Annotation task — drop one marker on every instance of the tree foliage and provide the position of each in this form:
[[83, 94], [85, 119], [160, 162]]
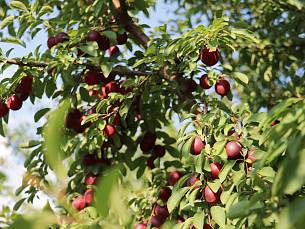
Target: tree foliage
[[148, 130]]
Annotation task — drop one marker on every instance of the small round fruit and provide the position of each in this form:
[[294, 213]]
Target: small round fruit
[[197, 145], [14, 102], [79, 203], [161, 211], [51, 42], [140, 226], [275, 122], [92, 77], [215, 169], [93, 36], [204, 82], [122, 38], [180, 219], [222, 87], [159, 150], [192, 180], [61, 37], [90, 159], [111, 87], [250, 158], [209, 196], [165, 193], [3, 109], [209, 57], [156, 221], [90, 179], [25, 86], [113, 51], [150, 162], [88, 196], [233, 149], [150, 138], [174, 177], [73, 120], [109, 130], [103, 43]]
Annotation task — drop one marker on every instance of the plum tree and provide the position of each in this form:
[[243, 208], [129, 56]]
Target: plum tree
[[133, 137]]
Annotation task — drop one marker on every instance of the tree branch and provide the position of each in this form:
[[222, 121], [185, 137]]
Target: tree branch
[[124, 19], [116, 70]]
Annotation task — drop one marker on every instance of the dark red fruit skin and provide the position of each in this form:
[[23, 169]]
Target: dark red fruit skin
[[61, 37], [205, 226], [144, 147], [51, 42], [79, 203], [112, 87], [250, 158], [90, 179], [159, 150], [204, 82], [209, 196], [174, 177], [156, 221], [165, 193], [14, 102], [150, 138], [73, 120], [88, 196], [109, 130], [104, 43], [23, 97], [180, 219], [150, 162], [233, 149], [192, 180], [215, 169], [90, 159], [92, 77], [113, 51], [122, 38], [197, 145], [93, 36], [161, 211], [140, 226], [275, 122], [3, 109], [25, 86], [209, 57], [222, 87]]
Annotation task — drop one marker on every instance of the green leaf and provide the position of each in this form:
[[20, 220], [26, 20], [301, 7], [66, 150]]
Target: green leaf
[[198, 220], [54, 138], [14, 40], [103, 191], [18, 5], [18, 204], [219, 215], [241, 78], [7, 21], [106, 68], [292, 214], [175, 198], [39, 114]]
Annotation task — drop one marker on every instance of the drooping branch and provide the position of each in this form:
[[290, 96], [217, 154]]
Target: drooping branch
[[115, 70], [124, 19]]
